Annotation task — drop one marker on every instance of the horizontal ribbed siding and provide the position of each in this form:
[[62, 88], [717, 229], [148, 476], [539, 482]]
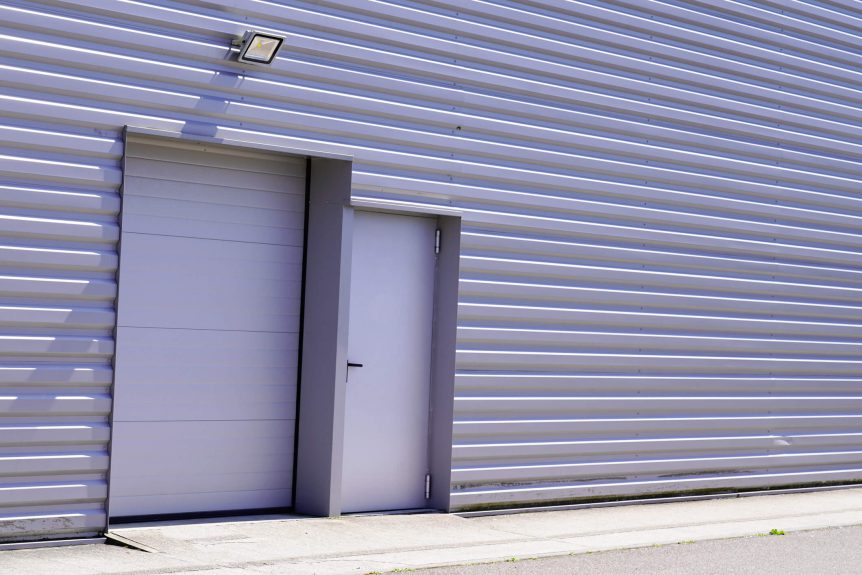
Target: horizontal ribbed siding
[[58, 259], [660, 286]]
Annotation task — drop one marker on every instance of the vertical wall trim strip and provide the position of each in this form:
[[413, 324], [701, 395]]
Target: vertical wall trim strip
[[113, 388]]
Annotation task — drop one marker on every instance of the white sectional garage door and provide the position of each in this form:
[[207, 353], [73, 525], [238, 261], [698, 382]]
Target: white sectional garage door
[[207, 330]]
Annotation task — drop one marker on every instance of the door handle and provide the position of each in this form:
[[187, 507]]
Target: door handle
[[351, 364]]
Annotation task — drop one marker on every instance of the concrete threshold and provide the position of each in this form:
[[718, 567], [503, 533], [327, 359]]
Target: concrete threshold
[[381, 543]]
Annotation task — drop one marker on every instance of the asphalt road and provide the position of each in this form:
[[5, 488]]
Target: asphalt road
[[822, 552]]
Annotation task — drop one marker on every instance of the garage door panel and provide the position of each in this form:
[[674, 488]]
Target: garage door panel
[[281, 223], [177, 374], [218, 195], [255, 161], [205, 284], [202, 457], [196, 400], [169, 503], [216, 357], [208, 331], [176, 172]]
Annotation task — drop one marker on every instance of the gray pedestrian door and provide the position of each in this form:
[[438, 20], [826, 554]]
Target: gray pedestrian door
[[386, 405], [207, 337]]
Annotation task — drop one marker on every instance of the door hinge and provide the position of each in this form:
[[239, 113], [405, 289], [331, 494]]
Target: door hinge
[[427, 486], [437, 241]]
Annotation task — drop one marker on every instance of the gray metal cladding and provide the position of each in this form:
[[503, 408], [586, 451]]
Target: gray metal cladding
[[58, 260], [660, 274]]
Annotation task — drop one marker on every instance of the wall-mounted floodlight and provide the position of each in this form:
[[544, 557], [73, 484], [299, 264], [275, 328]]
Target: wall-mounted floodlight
[[259, 47]]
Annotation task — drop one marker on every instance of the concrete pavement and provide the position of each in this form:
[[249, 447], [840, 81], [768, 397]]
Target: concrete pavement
[[364, 544], [834, 551]]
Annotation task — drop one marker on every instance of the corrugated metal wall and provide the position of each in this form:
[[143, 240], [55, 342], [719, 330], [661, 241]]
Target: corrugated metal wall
[[58, 234], [661, 272]]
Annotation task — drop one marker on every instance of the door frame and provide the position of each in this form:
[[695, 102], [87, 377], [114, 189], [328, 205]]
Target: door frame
[[326, 310]]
